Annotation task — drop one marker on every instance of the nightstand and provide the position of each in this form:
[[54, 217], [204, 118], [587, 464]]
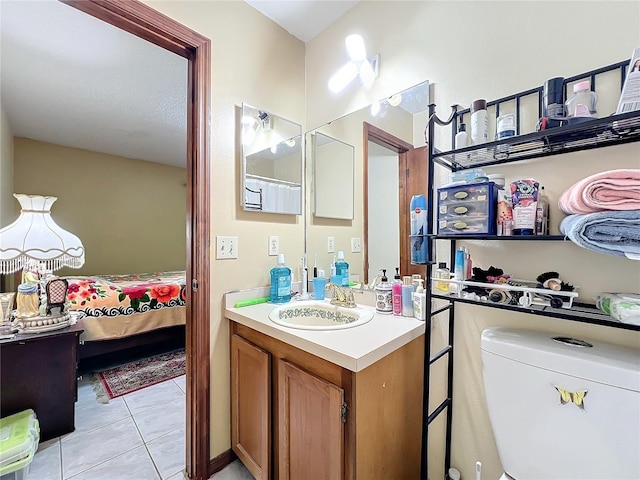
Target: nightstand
[[38, 371]]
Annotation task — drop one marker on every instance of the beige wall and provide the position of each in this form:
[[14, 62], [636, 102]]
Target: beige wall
[[129, 214], [256, 62], [472, 50], [7, 213]]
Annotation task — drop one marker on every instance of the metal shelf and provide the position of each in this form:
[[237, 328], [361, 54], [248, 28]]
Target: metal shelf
[[589, 134], [593, 133], [522, 238], [580, 312]]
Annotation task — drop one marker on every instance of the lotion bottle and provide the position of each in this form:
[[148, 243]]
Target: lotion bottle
[[342, 269], [461, 136], [396, 289], [280, 282], [419, 302], [384, 295]]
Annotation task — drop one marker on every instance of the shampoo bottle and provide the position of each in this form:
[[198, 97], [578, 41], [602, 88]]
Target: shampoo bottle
[[280, 282], [342, 269], [384, 295], [419, 302], [407, 296], [396, 290]]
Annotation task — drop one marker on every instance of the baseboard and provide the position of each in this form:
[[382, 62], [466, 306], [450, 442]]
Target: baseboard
[[218, 463]]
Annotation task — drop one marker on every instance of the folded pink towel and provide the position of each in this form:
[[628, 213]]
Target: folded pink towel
[[610, 190]]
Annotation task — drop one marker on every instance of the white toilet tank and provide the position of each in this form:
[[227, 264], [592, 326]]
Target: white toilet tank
[[561, 409]]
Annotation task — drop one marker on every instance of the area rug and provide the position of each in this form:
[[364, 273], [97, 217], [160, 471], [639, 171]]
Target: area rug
[[134, 376]]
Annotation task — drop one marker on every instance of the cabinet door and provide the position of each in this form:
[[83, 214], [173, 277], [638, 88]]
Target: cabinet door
[[310, 426], [251, 406]]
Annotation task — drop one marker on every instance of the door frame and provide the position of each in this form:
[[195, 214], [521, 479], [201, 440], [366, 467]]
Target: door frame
[[399, 146], [151, 25]]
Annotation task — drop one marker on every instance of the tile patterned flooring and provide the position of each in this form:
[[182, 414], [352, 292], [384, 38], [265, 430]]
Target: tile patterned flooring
[[138, 436]]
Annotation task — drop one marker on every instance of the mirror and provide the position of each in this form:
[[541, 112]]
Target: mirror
[[333, 170], [390, 165], [271, 162]]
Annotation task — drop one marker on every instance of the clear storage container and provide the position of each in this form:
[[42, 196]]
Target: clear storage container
[[583, 101]]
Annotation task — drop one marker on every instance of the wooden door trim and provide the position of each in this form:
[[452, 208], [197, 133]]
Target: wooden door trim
[[145, 22], [384, 139]]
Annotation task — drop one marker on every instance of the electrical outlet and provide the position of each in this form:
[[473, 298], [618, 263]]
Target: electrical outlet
[[226, 247], [274, 245], [331, 245], [356, 246]]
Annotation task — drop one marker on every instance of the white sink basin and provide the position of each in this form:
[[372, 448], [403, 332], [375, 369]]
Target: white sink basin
[[318, 315]]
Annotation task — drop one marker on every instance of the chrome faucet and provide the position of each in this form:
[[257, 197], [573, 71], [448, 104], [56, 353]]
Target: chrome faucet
[[341, 297]]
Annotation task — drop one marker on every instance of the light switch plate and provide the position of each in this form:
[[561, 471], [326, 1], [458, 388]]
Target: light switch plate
[[226, 247], [274, 245], [356, 245], [331, 245]]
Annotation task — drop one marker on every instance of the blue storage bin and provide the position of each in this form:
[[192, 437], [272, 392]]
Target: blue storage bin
[[468, 210]]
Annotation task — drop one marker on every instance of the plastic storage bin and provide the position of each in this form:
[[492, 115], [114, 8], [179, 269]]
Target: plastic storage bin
[[468, 209], [19, 438]]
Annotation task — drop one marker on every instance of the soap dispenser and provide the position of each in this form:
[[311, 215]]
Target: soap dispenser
[[384, 295], [280, 282]]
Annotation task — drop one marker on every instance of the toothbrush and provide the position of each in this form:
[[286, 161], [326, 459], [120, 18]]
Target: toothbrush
[[315, 265], [478, 471]]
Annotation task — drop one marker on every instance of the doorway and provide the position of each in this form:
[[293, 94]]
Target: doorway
[[411, 174], [148, 24]]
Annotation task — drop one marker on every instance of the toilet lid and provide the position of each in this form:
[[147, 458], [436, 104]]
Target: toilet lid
[[504, 476]]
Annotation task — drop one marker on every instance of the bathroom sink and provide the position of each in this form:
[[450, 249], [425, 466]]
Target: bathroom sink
[[317, 315]]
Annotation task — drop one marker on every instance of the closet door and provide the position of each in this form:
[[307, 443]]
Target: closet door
[[310, 426], [251, 406]]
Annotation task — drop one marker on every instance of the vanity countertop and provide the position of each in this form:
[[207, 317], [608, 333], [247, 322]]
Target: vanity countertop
[[352, 348]]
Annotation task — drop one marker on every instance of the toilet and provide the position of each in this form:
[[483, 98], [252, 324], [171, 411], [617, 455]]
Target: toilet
[[562, 408]]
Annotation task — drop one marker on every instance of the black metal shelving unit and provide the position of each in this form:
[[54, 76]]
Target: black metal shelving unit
[[594, 133]]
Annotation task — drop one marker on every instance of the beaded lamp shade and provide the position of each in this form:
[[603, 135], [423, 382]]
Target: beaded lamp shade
[[35, 237]]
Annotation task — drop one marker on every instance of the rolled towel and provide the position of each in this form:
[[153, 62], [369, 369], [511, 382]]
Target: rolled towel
[[614, 233], [610, 190]]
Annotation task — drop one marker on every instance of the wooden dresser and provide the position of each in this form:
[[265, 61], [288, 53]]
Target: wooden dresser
[[38, 371]]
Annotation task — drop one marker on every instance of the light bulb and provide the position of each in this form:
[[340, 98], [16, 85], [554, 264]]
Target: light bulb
[[367, 74], [274, 148], [342, 77], [375, 108], [355, 48], [291, 142], [395, 100]]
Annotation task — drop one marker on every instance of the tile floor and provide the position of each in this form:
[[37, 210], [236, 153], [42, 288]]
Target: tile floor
[[138, 436]]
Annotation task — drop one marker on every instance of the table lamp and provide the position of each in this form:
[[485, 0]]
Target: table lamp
[[35, 239]]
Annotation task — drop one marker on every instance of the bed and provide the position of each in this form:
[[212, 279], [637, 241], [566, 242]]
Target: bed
[[125, 312]]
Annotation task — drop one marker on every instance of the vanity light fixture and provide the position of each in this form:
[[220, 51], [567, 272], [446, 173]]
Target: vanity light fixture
[[358, 65]]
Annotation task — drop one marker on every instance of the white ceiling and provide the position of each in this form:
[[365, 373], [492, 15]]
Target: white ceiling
[[70, 79], [303, 18]]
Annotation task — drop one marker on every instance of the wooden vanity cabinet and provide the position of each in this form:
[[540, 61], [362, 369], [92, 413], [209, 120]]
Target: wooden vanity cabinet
[[297, 416]]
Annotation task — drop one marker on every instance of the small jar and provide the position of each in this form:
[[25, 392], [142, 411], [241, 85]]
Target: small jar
[[443, 272], [583, 101]]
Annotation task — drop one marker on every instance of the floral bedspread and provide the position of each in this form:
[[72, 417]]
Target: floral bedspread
[[112, 295]]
